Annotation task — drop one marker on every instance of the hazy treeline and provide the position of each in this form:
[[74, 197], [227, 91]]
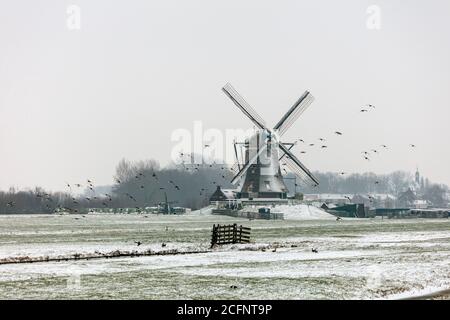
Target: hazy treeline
[[144, 184], [138, 184], [189, 185], [392, 183], [370, 183]]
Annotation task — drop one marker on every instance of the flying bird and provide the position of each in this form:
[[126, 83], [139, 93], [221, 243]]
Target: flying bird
[[338, 133]]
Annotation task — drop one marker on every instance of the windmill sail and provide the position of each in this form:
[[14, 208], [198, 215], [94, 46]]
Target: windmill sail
[[294, 112], [297, 167], [244, 106]]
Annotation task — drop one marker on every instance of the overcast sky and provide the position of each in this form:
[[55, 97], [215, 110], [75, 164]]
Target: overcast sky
[[74, 102]]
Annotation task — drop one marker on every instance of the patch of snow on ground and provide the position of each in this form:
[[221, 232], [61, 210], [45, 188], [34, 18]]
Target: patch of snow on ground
[[302, 212], [205, 210]]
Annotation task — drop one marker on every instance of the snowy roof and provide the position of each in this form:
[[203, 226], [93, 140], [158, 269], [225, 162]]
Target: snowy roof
[[223, 194], [229, 193], [326, 196]]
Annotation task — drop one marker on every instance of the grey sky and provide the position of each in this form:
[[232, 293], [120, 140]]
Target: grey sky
[[73, 103]]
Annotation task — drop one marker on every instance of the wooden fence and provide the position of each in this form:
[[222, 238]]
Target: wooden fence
[[227, 234]]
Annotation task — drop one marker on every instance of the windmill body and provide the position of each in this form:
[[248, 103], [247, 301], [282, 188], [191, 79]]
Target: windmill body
[[260, 175], [263, 179]]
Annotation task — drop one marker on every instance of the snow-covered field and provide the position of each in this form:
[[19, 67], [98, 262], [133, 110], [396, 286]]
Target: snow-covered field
[[303, 212], [356, 258]]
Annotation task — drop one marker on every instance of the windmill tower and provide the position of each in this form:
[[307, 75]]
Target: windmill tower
[[260, 175]]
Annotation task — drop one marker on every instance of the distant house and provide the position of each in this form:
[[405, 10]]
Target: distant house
[[359, 198], [421, 204], [225, 199], [223, 194], [328, 198], [384, 200], [377, 200], [406, 199]]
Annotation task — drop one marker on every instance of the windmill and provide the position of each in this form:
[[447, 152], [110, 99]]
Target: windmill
[[260, 175], [165, 207]]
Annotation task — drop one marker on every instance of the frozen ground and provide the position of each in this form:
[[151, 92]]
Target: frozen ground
[[303, 212], [356, 259]]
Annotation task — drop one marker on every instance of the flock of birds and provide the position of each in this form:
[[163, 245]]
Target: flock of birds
[[196, 167], [107, 198], [365, 154]]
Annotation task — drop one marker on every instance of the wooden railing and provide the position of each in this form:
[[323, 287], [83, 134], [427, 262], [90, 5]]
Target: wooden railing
[[228, 234]]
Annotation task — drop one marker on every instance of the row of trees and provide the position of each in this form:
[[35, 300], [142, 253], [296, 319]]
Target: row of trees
[[394, 183], [144, 183], [137, 185], [331, 182]]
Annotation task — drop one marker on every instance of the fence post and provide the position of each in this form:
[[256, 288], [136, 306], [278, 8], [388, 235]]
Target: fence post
[[214, 236]]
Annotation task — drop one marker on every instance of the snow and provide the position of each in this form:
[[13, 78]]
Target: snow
[[205, 210], [356, 259], [302, 212]]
